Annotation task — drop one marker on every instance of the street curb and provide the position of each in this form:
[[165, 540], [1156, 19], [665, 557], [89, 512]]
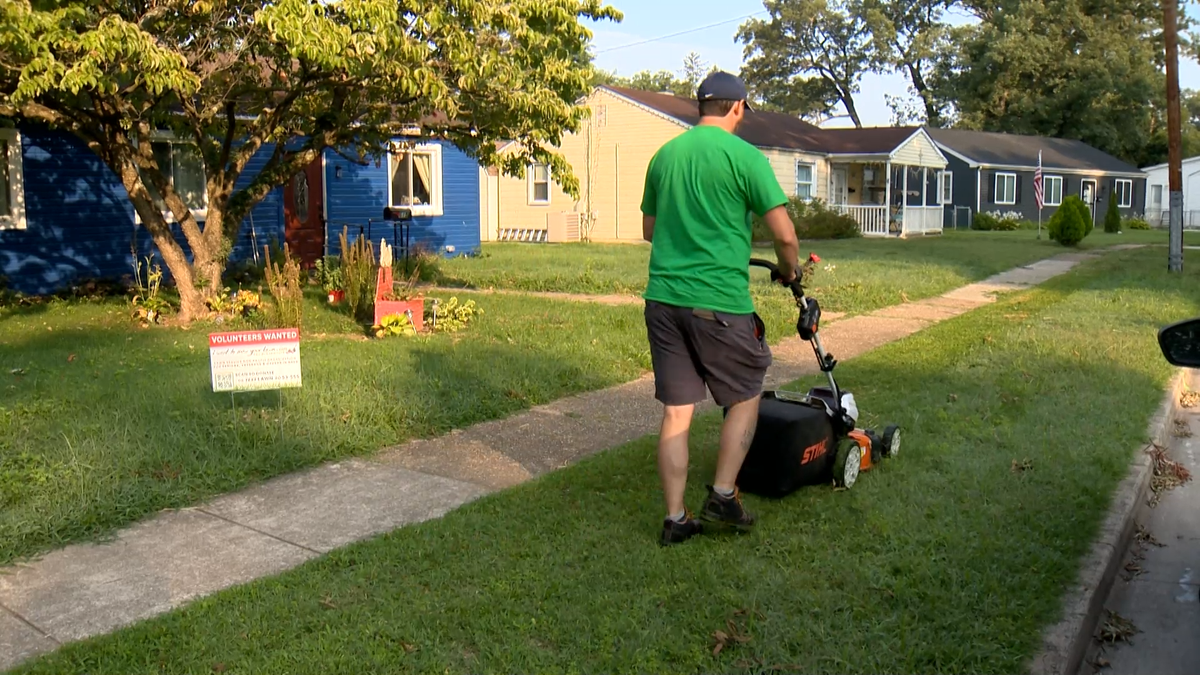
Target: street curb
[[1065, 643]]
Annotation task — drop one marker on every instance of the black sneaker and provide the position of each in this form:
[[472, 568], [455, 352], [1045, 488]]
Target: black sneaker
[[675, 532], [721, 510]]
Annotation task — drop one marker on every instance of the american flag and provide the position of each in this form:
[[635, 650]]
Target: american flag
[[1037, 182]]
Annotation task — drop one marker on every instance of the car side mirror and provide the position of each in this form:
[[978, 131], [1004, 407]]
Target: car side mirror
[[1180, 343]]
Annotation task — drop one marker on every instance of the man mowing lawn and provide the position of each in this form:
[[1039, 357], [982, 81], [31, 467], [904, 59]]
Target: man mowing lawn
[[700, 320]]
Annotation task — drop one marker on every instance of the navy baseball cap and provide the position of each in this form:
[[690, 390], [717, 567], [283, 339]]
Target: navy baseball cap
[[722, 85]]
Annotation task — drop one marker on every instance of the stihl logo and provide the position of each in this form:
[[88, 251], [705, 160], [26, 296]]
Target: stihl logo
[[813, 451]]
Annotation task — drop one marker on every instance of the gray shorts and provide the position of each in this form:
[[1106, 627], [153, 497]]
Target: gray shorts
[[692, 349]]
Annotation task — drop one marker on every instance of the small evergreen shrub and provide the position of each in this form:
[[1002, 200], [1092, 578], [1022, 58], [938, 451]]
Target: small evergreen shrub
[[1069, 224], [1112, 217]]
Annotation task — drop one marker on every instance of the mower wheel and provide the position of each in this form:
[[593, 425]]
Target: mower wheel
[[846, 464], [891, 440]]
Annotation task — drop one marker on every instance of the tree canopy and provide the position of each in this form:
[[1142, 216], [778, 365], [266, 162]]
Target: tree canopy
[[289, 78]]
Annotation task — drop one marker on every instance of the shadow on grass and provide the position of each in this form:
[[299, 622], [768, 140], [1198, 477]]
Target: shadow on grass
[[101, 427], [951, 558]]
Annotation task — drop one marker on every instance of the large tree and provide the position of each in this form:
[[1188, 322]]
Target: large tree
[[910, 37], [239, 77], [1084, 69], [808, 54]]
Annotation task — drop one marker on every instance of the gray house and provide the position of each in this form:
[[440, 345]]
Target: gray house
[[993, 173]]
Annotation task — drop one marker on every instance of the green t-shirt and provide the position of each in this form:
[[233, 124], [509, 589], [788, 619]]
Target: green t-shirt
[[701, 187]]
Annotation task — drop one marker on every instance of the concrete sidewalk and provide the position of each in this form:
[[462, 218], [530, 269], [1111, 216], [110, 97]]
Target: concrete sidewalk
[[159, 564], [1158, 588]]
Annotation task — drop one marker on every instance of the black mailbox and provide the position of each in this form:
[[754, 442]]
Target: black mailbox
[[393, 214]]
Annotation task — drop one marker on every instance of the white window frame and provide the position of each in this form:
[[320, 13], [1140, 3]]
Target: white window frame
[[996, 188], [945, 185], [434, 208], [1123, 204], [1046, 180], [167, 137], [531, 183], [16, 181], [811, 182]]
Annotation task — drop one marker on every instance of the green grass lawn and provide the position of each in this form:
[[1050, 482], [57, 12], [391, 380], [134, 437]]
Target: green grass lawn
[[1019, 421], [102, 422], [865, 274]]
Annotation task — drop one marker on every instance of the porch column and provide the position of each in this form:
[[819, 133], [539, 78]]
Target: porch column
[[924, 196], [904, 202], [887, 198]]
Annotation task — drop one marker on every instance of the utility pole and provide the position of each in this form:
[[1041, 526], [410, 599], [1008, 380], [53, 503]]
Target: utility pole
[[1174, 141]]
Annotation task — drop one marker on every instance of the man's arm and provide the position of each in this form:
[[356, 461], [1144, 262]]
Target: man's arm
[[787, 246], [648, 228]]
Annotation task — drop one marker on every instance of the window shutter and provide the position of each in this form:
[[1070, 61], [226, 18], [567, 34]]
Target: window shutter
[[992, 188], [1017, 189]]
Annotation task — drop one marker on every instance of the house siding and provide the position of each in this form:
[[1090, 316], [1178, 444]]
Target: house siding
[[917, 151], [624, 137], [80, 223], [1026, 203], [783, 163], [1158, 214], [356, 200], [963, 193]]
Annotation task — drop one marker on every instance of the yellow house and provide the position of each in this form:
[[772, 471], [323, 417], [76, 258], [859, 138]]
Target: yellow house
[[626, 127]]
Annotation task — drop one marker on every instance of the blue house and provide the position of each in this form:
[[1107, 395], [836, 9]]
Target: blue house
[[66, 217]]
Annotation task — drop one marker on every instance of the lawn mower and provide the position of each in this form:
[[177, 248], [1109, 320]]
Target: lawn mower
[[810, 439]]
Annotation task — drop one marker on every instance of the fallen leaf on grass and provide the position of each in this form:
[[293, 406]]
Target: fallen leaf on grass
[[952, 398], [1022, 466], [218, 668], [722, 639], [70, 358], [1117, 628], [328, 603]]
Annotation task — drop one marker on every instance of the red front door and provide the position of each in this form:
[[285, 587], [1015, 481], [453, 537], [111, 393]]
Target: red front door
[[303, 214]]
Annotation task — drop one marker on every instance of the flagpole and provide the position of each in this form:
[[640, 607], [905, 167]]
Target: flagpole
[[1039, 188]]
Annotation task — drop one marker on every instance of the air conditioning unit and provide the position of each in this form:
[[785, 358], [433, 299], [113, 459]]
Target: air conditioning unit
[[562, 226]]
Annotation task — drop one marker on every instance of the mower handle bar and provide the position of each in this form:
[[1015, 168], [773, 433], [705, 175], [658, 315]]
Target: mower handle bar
[[797, 289]]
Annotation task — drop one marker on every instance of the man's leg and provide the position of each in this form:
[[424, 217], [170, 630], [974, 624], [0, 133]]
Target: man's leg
[[678, 386], [673, 456], [735, 355], [736, 434]]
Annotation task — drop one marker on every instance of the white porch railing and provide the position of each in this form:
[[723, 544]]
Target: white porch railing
[[922, 219], [872, 220]]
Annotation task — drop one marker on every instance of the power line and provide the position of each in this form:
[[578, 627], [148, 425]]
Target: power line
[[682, 32]]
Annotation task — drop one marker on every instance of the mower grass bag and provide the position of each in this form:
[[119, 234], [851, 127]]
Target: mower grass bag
[[793, 447]]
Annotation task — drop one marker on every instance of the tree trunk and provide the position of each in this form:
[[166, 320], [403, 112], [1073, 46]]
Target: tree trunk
[[205, 266]]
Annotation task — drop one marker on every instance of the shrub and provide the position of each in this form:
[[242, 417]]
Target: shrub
[[421, 262], [358, 275], [813, 220], [1112, 217], [451, 316], [1002, 222], [1069, 224], [329, 274], [1135, 224], [286, 289], [1085, 213]]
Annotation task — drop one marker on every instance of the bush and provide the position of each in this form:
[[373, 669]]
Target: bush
[[1112, 217], [286, 289], [1008, 221], [1069, 224], [813, 220], [1135, 224]]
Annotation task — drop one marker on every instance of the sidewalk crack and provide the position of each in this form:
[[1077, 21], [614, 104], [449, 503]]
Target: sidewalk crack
[[262, 532], [33, 626]]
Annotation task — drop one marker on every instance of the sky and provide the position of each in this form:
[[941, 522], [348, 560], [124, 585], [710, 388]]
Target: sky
[[615, 48]]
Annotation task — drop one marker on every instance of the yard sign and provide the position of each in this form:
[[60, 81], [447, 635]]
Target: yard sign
[[255, 360]]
